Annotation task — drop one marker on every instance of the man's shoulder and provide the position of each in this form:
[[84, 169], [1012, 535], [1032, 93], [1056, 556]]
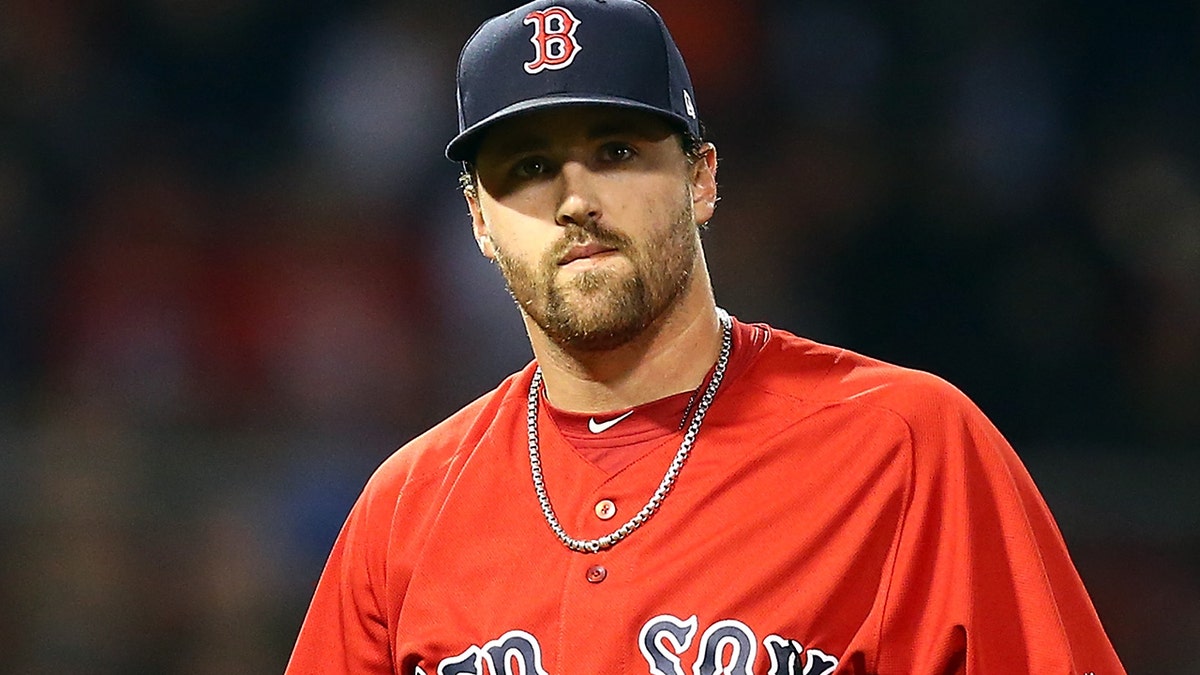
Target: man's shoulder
[[826, 374], [454, 439]]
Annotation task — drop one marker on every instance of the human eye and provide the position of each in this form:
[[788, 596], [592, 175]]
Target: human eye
[[530, 167], [617, 151]]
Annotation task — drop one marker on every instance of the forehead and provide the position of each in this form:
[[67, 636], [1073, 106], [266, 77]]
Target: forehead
[[571, 124]]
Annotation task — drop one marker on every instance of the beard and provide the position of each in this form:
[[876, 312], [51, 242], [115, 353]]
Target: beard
[[605, 307]]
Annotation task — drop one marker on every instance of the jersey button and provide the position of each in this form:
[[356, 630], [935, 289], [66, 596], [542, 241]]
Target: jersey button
[[596, 574], [605, 509]]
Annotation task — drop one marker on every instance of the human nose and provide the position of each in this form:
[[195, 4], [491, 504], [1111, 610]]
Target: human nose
[[578, 203]]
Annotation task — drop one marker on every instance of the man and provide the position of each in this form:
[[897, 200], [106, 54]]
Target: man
[[666, 489]]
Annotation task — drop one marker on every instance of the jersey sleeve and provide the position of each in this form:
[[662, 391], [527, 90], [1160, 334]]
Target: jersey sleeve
[[981, 581], [345, 629]]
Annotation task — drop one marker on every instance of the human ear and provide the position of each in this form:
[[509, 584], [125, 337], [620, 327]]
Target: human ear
[[704, 183], [483, 237]]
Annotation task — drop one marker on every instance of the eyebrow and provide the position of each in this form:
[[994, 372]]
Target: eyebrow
[[521, 145], [534, 141], [609, 128]]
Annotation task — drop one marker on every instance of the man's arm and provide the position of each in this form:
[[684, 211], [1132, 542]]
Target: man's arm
[[345, 630], [982, 581]]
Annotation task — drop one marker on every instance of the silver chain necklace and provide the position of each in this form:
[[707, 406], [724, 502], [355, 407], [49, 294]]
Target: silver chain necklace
[[656, 500]]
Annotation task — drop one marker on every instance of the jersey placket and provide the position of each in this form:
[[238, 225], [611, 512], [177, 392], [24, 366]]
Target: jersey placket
[[595, 612], [594, 608]]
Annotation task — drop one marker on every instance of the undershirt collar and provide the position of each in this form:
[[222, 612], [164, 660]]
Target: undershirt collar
[[648, 425]]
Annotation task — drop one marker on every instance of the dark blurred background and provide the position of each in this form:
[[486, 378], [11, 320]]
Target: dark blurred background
[[235, 274]]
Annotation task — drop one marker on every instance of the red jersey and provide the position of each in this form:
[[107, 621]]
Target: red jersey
[[836, 515]]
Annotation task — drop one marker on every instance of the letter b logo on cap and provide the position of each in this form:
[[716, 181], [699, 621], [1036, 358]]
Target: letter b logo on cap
[[553, 39]]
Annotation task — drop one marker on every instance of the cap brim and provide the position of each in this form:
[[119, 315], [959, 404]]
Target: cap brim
[[462, 148]]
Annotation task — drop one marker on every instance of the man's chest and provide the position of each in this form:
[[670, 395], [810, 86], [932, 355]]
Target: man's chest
[[760, 566]]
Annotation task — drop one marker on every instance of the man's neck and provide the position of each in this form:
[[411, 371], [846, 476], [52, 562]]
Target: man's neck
[[672, 355]]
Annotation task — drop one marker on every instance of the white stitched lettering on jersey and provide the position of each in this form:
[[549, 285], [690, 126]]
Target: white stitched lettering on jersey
[[785, 655], [818, 662], [727, 647], [514, 653], [785, 658], [672, 629], [731, 635], [466, 663]]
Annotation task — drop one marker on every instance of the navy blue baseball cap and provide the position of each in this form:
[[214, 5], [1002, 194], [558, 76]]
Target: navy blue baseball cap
[[551, 53]]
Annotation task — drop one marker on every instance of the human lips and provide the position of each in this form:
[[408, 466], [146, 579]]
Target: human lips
[[584, 251]]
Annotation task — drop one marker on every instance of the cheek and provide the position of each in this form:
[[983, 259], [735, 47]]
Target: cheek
[[525, 247], [642, 199], [514, 233], [534, 201], [662, 208]]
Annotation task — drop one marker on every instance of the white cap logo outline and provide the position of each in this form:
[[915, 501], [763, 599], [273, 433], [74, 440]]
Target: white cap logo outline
[[553, 39]]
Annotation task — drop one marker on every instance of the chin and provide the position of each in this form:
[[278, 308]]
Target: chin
[[599, 337], [594, 318]]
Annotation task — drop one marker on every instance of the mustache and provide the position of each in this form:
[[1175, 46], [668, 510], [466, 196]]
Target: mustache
[[584, 233]]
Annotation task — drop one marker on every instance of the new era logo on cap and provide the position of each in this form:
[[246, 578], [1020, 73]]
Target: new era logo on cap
[[551, 53], [553, 39]]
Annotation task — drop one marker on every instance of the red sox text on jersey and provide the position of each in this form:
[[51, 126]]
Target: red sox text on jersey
[[728, 647]]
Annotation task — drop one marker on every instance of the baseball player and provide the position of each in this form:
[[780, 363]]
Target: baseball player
[[666, 489]]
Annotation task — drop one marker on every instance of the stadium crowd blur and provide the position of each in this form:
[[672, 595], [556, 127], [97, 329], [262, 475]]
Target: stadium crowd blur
[[235, 274]]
